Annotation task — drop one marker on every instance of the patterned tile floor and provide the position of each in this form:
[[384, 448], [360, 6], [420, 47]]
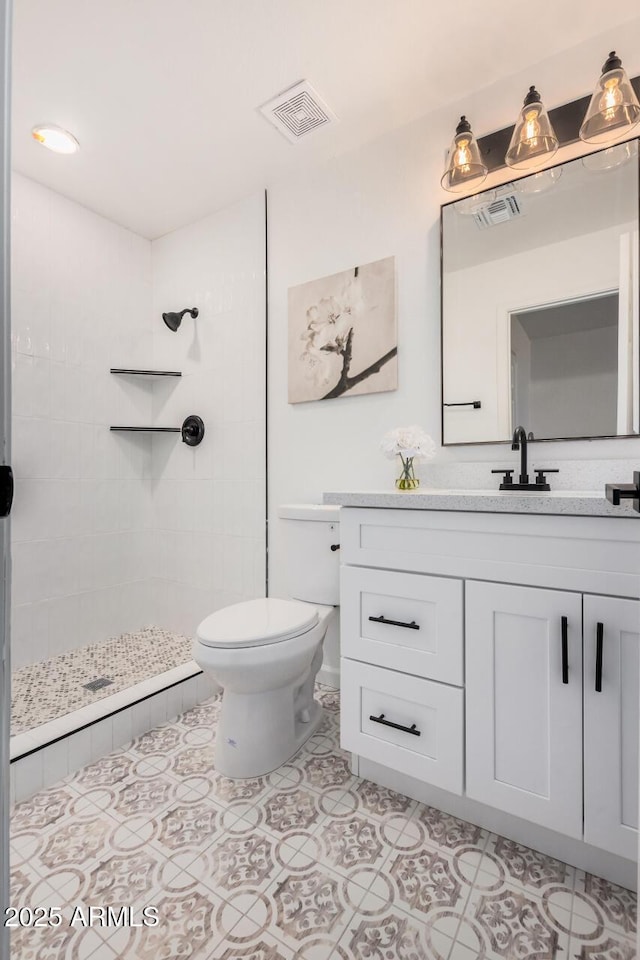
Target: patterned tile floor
[[308, 862], [48, 690]]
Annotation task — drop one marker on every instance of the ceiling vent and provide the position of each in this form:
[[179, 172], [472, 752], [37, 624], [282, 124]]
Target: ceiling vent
[[298, 111], [503, 209]]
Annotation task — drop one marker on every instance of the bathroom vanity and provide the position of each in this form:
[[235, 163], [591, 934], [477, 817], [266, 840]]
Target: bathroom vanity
[[490, 662]]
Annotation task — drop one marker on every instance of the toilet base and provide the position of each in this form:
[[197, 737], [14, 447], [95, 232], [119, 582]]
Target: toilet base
[[268, 706], [246, 749]]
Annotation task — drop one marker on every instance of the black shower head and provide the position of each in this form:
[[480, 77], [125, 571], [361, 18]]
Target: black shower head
[[173, 320]]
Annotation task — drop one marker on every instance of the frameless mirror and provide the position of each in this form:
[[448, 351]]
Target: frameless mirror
[[540, 304]]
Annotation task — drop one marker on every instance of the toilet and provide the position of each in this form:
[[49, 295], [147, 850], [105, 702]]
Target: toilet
[[266, 653]]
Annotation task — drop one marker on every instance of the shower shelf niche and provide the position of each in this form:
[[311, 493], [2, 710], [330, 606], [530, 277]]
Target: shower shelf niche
[[148, 374]]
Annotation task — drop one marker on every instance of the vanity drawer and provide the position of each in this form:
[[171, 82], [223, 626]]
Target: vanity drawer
[[405, 621], [433, 752]]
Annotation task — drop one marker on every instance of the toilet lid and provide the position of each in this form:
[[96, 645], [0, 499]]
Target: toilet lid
[[256, 623]]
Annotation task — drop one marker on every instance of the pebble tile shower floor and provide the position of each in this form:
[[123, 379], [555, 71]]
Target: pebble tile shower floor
[[308, 863], [52, 688]]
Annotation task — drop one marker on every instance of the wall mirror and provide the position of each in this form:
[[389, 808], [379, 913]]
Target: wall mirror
[[540, 304]]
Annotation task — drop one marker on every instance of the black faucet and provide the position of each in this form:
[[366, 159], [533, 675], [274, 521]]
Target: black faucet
[[519, 442]]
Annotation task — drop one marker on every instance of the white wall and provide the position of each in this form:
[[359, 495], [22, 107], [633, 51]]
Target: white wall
[[209, 501], [81, 521], [381, 200]]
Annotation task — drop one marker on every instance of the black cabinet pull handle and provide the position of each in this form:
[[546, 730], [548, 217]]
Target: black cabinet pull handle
[[6, 490], [396, 623], [396, 726], [334, 547], [476, 404], [599, 651], [565, 650]]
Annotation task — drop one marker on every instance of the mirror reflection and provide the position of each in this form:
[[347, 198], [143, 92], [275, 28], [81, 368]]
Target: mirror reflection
[[540, 304]]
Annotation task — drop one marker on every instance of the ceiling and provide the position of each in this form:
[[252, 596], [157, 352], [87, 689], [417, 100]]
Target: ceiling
[[163, 94], [573, 316]]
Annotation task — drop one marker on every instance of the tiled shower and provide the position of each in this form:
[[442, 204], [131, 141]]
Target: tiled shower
[[123, 542]]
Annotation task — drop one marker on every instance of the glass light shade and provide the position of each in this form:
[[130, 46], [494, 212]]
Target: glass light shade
[[534, 140], [465, 167], [539, 182], [610, 158], [614, 109], [469, 206], [55, 138]]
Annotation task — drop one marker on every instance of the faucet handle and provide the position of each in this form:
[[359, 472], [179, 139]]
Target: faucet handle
[[508, 478], [540, 474]]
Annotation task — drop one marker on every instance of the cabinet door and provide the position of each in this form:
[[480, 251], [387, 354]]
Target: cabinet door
[[611, 724], [524, 722]]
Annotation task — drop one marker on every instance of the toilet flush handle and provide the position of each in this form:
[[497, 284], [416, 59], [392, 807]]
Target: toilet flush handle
[[334, 547]]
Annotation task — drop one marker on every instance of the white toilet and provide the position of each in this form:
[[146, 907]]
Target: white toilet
[[266, 653]]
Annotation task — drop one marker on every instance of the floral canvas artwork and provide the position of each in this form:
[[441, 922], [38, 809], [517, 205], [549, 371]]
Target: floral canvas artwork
[[343, 338]]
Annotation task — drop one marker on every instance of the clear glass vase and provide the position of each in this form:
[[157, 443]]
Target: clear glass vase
[[407, 479]]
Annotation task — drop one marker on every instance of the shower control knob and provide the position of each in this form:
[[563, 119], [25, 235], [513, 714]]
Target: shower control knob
[[193, 430]]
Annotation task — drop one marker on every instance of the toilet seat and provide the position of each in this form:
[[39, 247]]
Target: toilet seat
[[257, 623]]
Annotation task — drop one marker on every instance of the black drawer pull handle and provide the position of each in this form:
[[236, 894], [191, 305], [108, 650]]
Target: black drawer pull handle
[[396, 623], [334, 547], [599, 651], [396, 726], [565, 650]]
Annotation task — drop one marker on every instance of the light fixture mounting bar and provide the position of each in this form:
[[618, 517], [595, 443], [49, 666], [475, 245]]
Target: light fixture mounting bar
[[566, 121]]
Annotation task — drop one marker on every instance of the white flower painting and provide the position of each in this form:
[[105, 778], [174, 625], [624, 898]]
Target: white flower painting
[[343, 338]]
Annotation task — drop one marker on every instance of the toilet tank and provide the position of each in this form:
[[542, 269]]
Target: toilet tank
[[313, 568]]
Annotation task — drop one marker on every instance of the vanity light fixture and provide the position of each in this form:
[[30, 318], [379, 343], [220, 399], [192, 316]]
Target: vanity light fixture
[[614, 109], [55, 138], [465, 166], [534, 141]]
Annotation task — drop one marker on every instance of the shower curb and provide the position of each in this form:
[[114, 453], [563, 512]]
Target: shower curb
[[49, 753]]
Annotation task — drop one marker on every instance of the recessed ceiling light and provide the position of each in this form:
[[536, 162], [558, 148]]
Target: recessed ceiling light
[[55, 138]]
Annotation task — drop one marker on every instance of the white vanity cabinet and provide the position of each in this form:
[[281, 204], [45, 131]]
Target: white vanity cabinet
[[481, 632]]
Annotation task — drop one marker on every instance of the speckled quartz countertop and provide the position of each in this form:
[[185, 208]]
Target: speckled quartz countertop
[[590, 503]]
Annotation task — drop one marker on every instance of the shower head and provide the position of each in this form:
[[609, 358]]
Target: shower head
[[173, 320]]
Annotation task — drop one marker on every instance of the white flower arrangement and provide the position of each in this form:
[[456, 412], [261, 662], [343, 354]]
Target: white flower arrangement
[[408, 443]]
